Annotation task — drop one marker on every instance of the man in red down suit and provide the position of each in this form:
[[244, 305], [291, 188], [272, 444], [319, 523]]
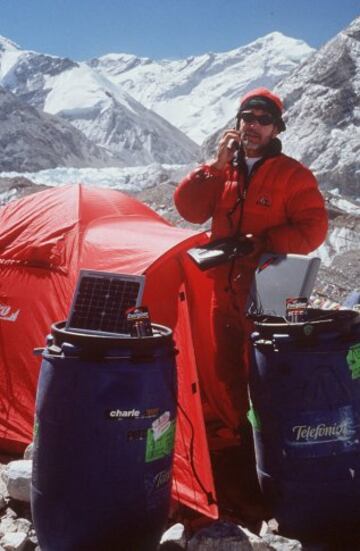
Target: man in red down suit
[[266, 194]]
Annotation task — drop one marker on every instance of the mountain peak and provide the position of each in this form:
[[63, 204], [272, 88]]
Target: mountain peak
[[280, 43], [7, 44], [277, 35]]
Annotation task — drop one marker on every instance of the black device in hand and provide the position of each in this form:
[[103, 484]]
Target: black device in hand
[[233, 145], [221, 251]]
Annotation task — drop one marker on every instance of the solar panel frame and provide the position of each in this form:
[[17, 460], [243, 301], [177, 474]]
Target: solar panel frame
[[101, 300]]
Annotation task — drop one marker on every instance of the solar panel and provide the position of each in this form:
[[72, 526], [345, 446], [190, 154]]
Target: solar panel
[[101, 300]]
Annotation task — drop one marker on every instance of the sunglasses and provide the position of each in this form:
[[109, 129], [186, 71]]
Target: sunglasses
[[263, 120]]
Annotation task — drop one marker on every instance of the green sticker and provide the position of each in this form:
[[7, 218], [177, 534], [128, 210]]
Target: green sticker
[[353, 360], [156, 448], [254, 419]]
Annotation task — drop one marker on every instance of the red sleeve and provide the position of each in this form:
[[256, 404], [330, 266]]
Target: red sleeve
[[307, 217], [197, 194]]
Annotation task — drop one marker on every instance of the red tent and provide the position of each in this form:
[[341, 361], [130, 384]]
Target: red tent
[[45, 238]]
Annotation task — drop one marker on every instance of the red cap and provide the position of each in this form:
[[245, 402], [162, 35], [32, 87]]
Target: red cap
[[262, 98], [263, 93]]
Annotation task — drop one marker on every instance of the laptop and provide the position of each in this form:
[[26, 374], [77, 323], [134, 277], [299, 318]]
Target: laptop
[[279, 277]]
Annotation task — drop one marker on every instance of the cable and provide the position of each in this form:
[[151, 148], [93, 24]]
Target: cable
[[209, 495]]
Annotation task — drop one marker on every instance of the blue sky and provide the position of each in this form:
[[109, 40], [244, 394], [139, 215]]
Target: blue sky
[[81, 29]]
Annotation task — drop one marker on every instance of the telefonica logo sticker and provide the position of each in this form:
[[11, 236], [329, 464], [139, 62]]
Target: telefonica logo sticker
[[6, 314], [320, 431], [162, 478]]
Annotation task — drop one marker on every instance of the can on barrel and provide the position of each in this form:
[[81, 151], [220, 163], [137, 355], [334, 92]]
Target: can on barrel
[[296, 309], [139, 322]]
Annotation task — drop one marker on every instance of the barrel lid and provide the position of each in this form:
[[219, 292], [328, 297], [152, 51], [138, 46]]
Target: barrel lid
[[161, 335], [318, 322]]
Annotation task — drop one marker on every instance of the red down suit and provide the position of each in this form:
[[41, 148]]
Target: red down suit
[[280, 203]]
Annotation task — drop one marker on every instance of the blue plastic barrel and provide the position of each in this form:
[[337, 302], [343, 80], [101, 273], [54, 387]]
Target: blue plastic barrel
[[305, 394], [103, 443]]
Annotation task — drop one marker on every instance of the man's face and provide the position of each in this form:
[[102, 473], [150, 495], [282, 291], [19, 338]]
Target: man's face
[[256, 136]]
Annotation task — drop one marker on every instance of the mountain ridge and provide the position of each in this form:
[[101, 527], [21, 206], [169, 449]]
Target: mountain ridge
[[220, 77], [107, 115]]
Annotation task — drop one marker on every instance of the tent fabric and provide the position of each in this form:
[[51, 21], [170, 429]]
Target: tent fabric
[[45, 239], [190, 462]]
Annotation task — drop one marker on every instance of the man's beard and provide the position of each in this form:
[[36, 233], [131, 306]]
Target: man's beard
[[248, 143]]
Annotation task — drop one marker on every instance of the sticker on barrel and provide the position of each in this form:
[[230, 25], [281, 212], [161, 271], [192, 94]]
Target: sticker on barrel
[[160, 438], [353, 360]]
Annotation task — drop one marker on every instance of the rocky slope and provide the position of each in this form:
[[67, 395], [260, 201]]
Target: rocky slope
[[322, 99], [32, 140]]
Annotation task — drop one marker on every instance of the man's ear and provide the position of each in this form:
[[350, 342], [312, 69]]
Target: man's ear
[[275, 132]]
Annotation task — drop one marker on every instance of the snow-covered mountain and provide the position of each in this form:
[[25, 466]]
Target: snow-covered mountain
[[28, 74], [322, 98], [199, 94], [106, 114], [33, 140]]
